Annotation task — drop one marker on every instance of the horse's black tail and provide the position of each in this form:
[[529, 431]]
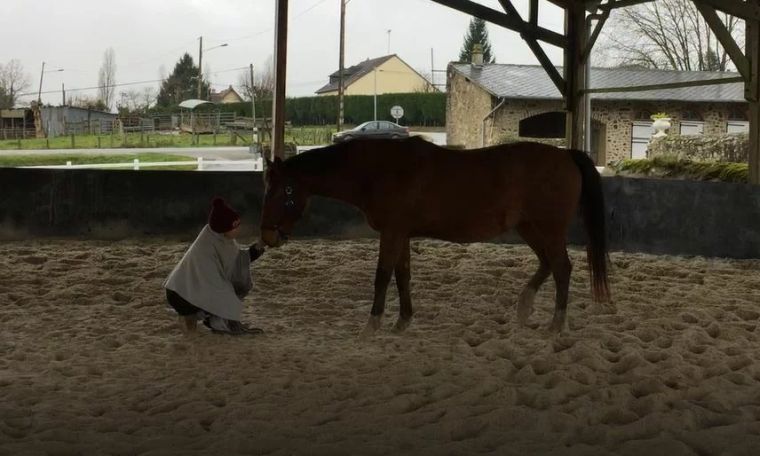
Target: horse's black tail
[[593, 213]]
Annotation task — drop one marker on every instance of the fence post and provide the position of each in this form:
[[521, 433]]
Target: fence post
[[68, 163], [98, 142], [73, 143], [136, 166], [47, 142], [200, 163], [19, 143]]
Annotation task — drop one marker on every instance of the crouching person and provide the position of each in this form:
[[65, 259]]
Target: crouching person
[[212, 278]]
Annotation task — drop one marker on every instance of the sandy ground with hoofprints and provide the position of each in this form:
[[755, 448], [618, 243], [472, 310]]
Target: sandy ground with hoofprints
[[92, 363]]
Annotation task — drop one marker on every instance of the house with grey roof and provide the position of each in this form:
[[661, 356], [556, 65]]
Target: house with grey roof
[[487, 104], [387, 74]]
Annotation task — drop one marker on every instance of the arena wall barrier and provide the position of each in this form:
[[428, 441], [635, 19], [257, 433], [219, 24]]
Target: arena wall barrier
[[645, 215]]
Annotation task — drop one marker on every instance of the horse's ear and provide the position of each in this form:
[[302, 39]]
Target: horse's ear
[[277, 161], [269, 162]]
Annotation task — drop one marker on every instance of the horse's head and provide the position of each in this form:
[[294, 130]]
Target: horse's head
[[284, 202]]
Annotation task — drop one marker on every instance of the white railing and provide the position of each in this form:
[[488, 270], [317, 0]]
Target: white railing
[[200, 165]]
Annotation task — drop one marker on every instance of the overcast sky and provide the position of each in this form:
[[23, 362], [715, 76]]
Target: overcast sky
[[147, 35]]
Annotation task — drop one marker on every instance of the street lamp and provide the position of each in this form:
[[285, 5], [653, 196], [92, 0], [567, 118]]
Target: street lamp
[[42, 73], [200, 62]]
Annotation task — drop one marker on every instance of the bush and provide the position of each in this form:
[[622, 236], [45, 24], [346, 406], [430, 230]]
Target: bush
[[677, 168]]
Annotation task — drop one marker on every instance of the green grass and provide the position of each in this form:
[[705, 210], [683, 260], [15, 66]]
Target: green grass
[[671, 167], [302, 136], [82, 159]]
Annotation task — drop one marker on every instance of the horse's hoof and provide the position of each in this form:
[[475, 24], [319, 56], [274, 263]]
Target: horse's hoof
[[373, 324], [557, 324], [523, 313], [401, 324]]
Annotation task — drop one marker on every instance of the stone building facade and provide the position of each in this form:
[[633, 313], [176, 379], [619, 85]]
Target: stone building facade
[[488, 107]]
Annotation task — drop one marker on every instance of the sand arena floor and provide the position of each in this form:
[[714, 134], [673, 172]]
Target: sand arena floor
[[91, 362]]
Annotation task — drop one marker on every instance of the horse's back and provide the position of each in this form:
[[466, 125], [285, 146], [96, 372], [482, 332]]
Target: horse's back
[[465, 195]]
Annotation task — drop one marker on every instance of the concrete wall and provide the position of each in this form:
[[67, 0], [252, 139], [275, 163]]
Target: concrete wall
[[647, 215], [117, 204]]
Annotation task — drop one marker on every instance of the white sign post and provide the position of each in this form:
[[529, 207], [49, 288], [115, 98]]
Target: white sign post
[[397, 112]]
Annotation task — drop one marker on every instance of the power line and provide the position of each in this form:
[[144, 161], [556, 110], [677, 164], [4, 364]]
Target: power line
[[247, 37], [81, 89]]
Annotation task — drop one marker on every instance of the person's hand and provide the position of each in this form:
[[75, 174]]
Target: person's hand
[[256, 250]]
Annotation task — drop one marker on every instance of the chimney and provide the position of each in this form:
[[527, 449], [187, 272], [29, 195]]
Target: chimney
[[477, 55]]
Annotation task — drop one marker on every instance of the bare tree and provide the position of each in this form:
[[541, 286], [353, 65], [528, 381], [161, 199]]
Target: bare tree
[[669, 34], [13, 80], [148, 98], [107, 78], [86, 102], [262, 85]]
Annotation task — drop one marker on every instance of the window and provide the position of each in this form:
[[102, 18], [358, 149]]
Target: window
[[641, 133], [737, 121], [691, 124]]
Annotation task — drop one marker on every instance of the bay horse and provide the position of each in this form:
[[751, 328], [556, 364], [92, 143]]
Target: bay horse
[[413, 188]]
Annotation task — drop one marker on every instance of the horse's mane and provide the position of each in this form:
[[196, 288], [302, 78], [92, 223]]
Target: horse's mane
[[315, 161], [329, 158]]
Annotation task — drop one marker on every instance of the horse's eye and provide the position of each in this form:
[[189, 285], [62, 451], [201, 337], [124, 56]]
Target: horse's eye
[[288, 190]]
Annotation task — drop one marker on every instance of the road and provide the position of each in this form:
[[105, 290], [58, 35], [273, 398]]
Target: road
[[209, 154]]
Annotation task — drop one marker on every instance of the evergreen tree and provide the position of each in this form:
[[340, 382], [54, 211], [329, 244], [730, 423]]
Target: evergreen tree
[[477, 33], [182, 84]]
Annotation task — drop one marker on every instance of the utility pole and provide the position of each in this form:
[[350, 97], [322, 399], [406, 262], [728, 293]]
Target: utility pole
[[39, 94], [341, 62], [253, 109], [280, 65], [375, 72], [200, 65], [432, 70], [389, 42], [63, 92]]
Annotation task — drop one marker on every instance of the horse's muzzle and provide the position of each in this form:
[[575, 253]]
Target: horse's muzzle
[[273, 237]]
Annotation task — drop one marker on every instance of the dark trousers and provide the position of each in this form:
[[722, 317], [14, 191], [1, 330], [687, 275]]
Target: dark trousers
[[179, 304]]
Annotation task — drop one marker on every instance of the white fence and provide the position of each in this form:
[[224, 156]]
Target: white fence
[[200, 165]]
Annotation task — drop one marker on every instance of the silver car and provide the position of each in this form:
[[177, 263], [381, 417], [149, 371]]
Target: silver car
[[373, 129]]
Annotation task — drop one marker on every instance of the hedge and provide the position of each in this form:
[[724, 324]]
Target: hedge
[[420, 109]]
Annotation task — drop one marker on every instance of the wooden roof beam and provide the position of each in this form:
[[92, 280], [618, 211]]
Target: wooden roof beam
[[615, 4], [510, 22], [725, 38], [740, 9], [538, 51]]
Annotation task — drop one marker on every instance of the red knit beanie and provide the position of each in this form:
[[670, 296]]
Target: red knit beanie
[[222, 217]]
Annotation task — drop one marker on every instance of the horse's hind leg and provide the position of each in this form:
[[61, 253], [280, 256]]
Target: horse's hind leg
[[403, 277], [561, 268], [528, 293], [391, 246]]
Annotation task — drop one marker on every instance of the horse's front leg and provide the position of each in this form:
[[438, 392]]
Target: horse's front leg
[[403, 278], [391, 246]]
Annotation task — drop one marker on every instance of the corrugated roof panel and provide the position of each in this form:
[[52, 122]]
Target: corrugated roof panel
[[531, 81]]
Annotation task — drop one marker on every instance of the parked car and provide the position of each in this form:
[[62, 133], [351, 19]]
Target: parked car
[[373, 129]]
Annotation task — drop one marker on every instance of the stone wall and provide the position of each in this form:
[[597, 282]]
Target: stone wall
[[723, 148], [467, 105], [465, 110]]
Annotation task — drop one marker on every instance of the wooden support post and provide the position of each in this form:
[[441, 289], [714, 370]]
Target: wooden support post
[[752, 93], [575, 31], [280, 65]]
